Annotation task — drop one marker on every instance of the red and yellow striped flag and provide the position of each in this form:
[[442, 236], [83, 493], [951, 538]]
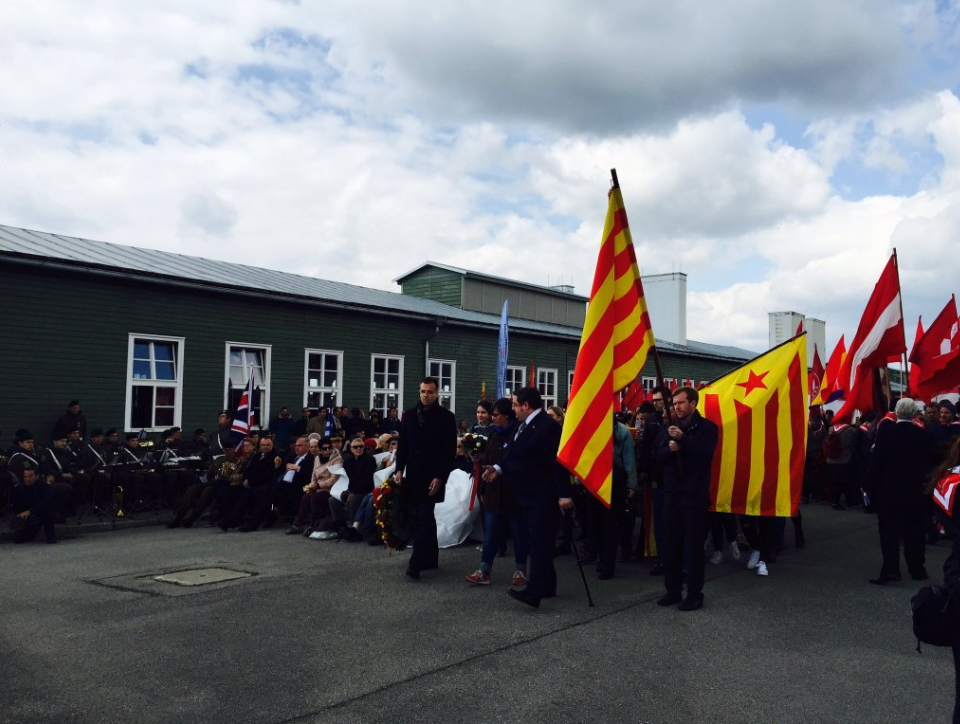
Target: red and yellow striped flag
[[761, 410], [614, 345]]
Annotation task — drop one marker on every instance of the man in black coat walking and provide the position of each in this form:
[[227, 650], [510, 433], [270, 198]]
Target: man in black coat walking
[[425, 455], [684, 453], [537, 484], [900, 464]]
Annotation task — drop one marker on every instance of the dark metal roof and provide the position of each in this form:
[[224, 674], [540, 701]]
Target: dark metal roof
[[43, 247], [496, 280]]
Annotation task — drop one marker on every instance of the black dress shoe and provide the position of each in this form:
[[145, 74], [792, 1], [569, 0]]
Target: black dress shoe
[[669, 599], [175, 523], [605, 575], [884, 578], [413, 574], [920, 575], [524, 597], [588, 557], [691, 603]]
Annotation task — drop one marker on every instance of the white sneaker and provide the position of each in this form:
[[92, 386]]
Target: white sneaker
[[754, 560], [716, 558], [324, 535], [762, 569], [734, 551]]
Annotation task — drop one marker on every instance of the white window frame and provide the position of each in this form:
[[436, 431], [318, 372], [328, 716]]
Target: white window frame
[[569, 384], [265, 394], [523, 378], [648, 384], [180, 343], [374, 391], [337, 390], [452, 394], [550, 371]]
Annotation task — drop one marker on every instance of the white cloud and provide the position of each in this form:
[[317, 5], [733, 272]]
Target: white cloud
[[354, 143]]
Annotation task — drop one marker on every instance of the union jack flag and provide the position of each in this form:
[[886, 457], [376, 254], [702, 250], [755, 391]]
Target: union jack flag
[[245, 418]]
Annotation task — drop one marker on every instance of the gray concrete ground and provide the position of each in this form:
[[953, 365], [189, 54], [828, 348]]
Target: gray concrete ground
[[334, 632]]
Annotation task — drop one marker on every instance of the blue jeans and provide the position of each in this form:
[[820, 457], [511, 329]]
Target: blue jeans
[[366, 514], [494, 534]]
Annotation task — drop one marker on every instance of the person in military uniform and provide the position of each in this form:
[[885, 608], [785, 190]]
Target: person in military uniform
[[93, 459], [132, 475], [25, 456], [33, 503], [111, 444], [72, 419], [222, 435], [197, 497], [60, 466]]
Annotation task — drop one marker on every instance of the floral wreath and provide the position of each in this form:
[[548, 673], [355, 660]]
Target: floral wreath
[[474, 444], [392, 515]]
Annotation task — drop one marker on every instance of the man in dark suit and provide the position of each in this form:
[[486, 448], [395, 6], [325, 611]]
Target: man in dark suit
[[425, 455], [537, 483], [684, 453], [900, 464]]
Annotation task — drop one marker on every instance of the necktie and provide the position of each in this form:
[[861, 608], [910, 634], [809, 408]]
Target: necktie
[[520, 429]]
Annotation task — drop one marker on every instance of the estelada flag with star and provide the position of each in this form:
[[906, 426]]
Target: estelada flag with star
[[761, 410]]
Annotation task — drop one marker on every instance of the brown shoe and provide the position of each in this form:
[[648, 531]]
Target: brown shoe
[[478, 578]]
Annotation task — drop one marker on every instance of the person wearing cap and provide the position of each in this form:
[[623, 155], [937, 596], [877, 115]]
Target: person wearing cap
[[72, 419], [111, 444], [222, 434], [33, 501], [93, 459], [23, 454], [131, 473], [61, 468]]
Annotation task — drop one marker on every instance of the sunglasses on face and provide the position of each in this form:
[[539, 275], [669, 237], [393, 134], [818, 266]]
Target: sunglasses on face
[[356, 447]]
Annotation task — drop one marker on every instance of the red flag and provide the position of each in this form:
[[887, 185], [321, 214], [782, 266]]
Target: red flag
[[828, 386], [533, 374], [632, 395], [937, 348], [915, 372], [816, 375], [879, 338]]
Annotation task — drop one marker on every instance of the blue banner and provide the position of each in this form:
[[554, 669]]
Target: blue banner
[[502, 353]]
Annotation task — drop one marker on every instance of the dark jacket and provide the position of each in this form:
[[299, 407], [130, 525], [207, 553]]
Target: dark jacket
[[37, 498], [68, 422], [901, 463], [530, 468], [427, 447], [496, 497], [261, 470], [360, 470], [689, 487]]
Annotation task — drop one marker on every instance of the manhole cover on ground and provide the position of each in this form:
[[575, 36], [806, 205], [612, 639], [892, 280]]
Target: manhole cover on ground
[[201, 576]]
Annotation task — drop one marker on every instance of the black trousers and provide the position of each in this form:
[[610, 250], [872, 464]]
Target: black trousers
[[901, 521], [26, 530], [426, 551], [604, 533], [683, 527], [540, 517]]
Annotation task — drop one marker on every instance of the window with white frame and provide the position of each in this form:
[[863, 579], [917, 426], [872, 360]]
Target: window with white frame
[[242, 361], [446, 373], [514, 380], [323, 385], [569, 385], [386, 381], [154, 382], [648, 383], [547, 384]]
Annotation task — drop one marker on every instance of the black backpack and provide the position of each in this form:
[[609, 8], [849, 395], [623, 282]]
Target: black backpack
[[936, 618]]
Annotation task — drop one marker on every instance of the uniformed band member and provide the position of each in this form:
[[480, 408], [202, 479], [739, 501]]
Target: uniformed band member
[[133, 476], [32, 500], [60, 466]]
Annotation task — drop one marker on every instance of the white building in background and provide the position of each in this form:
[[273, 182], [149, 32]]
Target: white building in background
[[784, 325], [666, 296]]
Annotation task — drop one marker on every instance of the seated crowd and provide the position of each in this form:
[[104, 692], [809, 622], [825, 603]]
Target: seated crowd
[[317, 474]]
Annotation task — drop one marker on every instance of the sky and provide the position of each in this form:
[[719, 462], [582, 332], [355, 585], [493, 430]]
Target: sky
[[774, 152]]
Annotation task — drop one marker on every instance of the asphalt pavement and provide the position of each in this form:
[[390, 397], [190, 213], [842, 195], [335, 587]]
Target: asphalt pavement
[[334, 632]]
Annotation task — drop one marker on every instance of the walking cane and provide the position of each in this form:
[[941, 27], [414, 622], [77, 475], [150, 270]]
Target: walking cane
[[576, 553]]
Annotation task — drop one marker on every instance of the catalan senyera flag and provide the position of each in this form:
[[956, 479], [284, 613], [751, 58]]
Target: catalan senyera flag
[[616, 339], [761, 410]]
